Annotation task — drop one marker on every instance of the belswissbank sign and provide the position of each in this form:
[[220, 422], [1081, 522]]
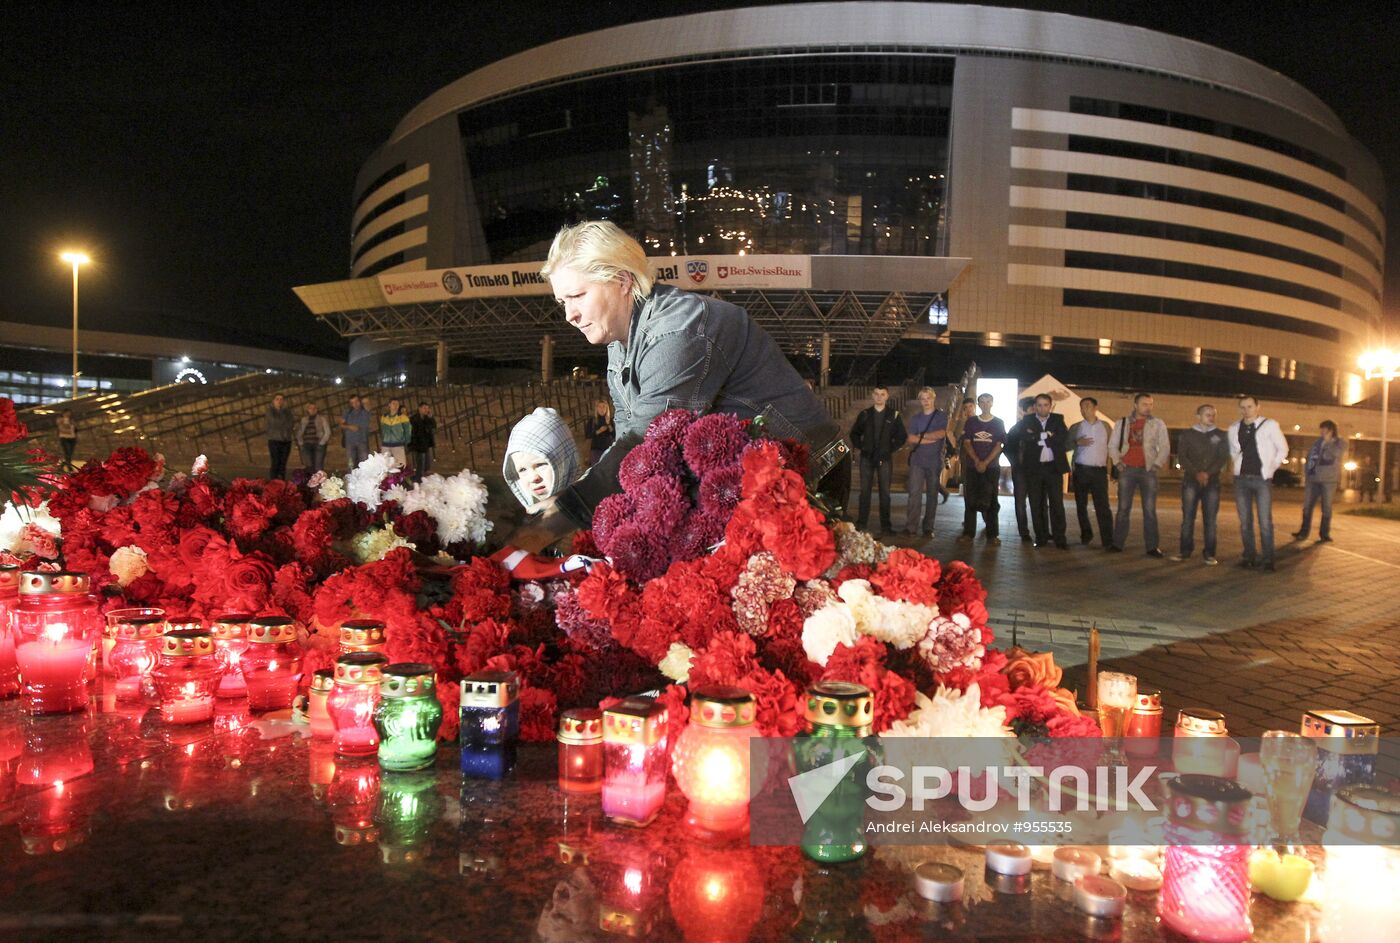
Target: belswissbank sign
[[697, 272]]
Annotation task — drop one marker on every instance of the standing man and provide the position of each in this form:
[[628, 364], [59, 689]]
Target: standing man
[[1089, 475], [928, 428], [395, 432], [422, 440], [1042, 436], [1203, 454], [67, 438], [313, 435], [983, 438], [1020, 490], [877, 434], [1320, 475], [1140, 447], [279, 436], [1257, 447], [1366, 479], [354, 424]]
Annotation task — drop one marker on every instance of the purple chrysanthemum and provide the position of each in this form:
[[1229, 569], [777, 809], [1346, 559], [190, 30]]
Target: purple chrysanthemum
[[721, 490], [639, 553], [612, 511], [661, 505], [714, 442], [670, 427], [647, 460]]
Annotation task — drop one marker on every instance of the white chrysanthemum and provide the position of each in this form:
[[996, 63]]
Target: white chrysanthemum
[[951, 713], [457, 506], [362, 484], [676, 664], [371, 545], [12, 523], [823, 630], [396, 494], [128, 564], [332, 489], [896, 623]]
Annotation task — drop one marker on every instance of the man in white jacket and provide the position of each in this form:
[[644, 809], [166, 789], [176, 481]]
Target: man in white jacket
[[1257, 448]]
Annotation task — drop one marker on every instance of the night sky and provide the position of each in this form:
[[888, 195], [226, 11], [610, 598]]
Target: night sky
[[206, 156]]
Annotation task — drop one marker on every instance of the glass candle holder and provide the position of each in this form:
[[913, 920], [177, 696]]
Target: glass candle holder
[[634, 761], [187, 677], [317, 715], [1117, 693], [9, 596], [1289, 762], [1205, 886], [711, 759], [1361, 886], [630, 890], [408, 717], [135, 654], [1144, 725], [271, 663], [115, 617], [490, 709], [1347, 746], [352, 700], [361, 635], [230, 634], [840, 715], [1202, 744], [57, 628], [581, 750]]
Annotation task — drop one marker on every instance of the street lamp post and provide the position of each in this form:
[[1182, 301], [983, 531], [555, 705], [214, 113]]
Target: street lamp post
[[1383, 365], [75, 259]]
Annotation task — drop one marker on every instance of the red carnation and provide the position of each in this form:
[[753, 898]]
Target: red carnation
[[728, 657], [537, 715], [778, 700], [908, 576], [417, 528], [11, 429], [128, 469]]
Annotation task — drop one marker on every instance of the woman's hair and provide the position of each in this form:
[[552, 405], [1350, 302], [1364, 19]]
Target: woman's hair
[[1329, 425], [601, 251], [607, 408]]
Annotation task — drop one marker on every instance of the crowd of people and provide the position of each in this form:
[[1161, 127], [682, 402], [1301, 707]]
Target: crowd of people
[[410, 437], [1042, 449]]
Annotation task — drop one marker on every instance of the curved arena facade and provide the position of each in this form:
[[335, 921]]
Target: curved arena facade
[[1009, 183]]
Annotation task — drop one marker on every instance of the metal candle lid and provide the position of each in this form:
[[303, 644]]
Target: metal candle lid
[[840, 704], [53, 583], [360, 668], [146, 627], [322, 681], [407, 679], [1367, 814], [187, 643], [935, 881], [635, 720], [362, 634], [722, 707], [1350, 733], [266, 629], [230, 625], [490, 689], [1148, 702], [1210, 803], [581, 725], [1200, 722]]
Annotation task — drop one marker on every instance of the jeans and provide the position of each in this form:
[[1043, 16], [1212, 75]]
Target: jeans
[[313, 456], [1130, 481], [356, 452], [277, 452], [1318, 491], [1020, 495], [869, 473], [923, 497], [1254, 494], [1091, 481], [422, 461], [1207, 498], [68, 445], [1046, 487], [980, 496]]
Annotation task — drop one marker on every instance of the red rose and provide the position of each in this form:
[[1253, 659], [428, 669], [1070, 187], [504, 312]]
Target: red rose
[[417, 528], [246, 582]]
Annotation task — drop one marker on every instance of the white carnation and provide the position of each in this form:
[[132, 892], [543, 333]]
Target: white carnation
[[891, 621], [12, 523], [676, 664], [371, 545], [332, 488], [823, 630], [952, 713], [128, 564]]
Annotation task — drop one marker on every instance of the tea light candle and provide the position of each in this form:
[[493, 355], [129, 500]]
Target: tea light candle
[[1099, 896], [54, 669], [1012, 859], [938, 882], [1070, 864], [1136, 874], [187, 677]]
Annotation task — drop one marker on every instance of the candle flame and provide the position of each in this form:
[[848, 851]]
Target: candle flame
[[55, 632], [633, 880]]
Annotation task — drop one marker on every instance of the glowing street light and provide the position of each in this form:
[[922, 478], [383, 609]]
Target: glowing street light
[[75, 259], [1383, 365]]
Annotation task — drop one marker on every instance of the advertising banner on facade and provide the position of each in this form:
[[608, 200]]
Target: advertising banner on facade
[[694, 272]]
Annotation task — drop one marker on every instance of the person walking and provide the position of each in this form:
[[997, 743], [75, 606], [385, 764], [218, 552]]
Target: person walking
[[983, 438], [599, 430], [928, 428], [1089, 474], [313, 436], [395, 432], [1203, 454], [354, 426], [1321, 474], [1257, 448], [877, 434], [1020, 491], [1140, 447], [1042, 436], [422, 440], [67, 438], [1366, 480], [279, 436]]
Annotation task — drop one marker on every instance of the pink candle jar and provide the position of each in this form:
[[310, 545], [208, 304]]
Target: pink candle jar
[[187, 677], [230, 634], [114, 618], [634, 761], [1205, 886], [9, 595], [56, 626], [361, 635], [271, 663], [352, 701], [135, 654], [711, 759], [317, 714]]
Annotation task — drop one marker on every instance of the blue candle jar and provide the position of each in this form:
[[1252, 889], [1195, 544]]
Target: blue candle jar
[[1347, 745]]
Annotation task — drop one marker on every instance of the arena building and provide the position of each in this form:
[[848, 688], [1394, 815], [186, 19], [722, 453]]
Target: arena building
[[911, 184]]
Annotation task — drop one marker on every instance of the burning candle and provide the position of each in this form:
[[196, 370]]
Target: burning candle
[[408, 717], [316, 713], [1071, 864], [490, 709], [581, 750], [187, 677], [1136, 874], [634, 761], [57, 627], [711, 759], [352, 700], [361, 635], [135, 654], [1144, 725], [1205, 889], [230, 633], [271, 663], [1203, 745], [1361, 886], [9, 596]]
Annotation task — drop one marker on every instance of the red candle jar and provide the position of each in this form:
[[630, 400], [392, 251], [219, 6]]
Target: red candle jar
[[272, 663], [1144, 725], [57, 627], [352, 700], [187, 677], [135, 654], [230, 634], [9, 596], [581, 750], [361, 635], [114, 618], [1205, 885], [634, 761], [711, 759], [316, 713]]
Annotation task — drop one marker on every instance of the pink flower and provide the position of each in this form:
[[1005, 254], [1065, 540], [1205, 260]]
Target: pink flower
[[646, 461], [661, 504], [714, 442]]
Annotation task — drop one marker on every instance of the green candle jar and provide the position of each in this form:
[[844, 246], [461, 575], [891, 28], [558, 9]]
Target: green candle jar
[[841, 715], [407, 717]]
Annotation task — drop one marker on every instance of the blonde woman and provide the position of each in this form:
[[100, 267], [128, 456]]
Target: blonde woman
[[599, 430]]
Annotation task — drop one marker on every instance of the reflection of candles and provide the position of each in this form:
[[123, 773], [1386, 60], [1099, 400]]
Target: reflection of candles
[[187, 677], [717, 896], [352, 700], [711, 759], [321, 767], [9, 595], [1205, 888], [1071, 864], [581, 750], [271, 663], [230, 632], [634, 761], [353, 795]]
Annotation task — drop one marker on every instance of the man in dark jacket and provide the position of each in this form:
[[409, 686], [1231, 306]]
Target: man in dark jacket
[[279, 436], [877, 434], [1203, 452], [1041, 438]]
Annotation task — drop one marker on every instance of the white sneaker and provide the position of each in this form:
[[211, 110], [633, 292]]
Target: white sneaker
[[1211, 561], [1176, 558]]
